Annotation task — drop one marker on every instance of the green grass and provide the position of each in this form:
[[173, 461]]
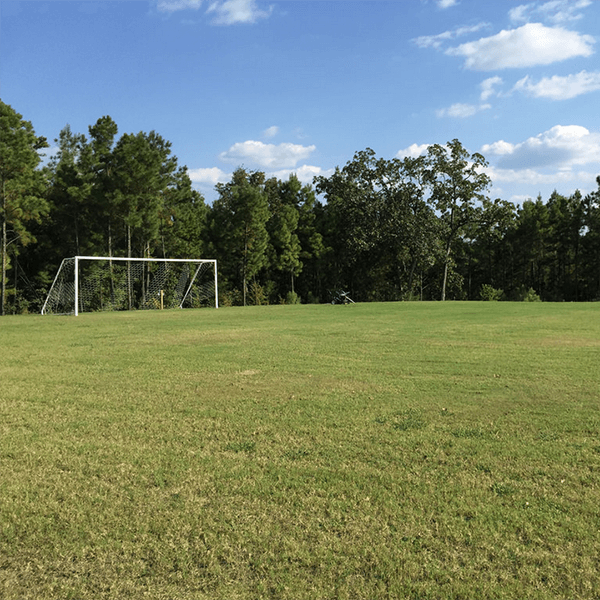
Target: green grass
[[409, 450]]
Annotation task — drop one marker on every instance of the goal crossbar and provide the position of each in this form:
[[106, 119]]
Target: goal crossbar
[[75, 290]]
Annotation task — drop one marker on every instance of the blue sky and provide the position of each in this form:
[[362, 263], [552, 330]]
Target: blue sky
[[301, 85]]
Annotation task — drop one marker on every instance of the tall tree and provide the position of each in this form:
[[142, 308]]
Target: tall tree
[[238, 227], [284, 245], [353, 224], [312, 248], [411, 227], [71, 185], [531, 247], [183, 220], [383, 229], [102, 140], [591, 244], [22, 185], [489, 254], [142, 174], [458, 184], [565, 215]]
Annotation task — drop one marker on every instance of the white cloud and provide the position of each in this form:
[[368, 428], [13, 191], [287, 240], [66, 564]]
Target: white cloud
[[554, 11], [446, 3], [232, 12], [535, 177], [207, 178], [561, 147], [487, 87], [435, 41], [560, 88], [210, 176], [268, 156], [175, 5], [225, 12], [520, 13], [305, 173], [529, 45], [564, 158], [270, 132], [413, 151], [499, 148], [461, 111]]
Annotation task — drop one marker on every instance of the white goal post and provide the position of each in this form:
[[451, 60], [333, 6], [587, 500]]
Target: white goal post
[[100, 283]]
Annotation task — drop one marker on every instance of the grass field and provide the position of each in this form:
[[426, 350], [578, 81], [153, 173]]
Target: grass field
[[405, 450]]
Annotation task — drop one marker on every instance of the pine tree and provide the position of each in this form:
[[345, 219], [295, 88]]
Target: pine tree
[[22, 186]]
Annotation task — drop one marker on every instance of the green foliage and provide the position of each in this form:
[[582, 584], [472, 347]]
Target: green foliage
[[230, 298], [143, 171], [531, 296], [292, 298], [391, 450], [384, 229], [524, 294], [257, 295], [458, 185], [238, 228], [22, 187], [490, 293]]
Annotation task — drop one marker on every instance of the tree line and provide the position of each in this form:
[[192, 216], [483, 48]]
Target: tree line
[[382, 230]]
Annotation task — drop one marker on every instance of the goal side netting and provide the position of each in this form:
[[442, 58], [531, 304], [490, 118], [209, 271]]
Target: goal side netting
[[91, 283]]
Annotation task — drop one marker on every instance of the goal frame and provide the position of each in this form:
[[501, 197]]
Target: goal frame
[[77, 259]]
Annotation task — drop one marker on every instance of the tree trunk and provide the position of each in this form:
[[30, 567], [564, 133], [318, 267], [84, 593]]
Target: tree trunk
[[4, 257], [244, 265], [77, 251], [129, 298], [411, 277], [445, 278], [16, 295], [111, 274]]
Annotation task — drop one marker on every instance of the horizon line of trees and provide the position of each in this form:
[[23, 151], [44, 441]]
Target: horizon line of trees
[[383, 230]]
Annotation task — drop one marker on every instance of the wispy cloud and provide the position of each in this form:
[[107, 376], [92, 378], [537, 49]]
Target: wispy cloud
[[224, 12], [529, 45], [232, 12], [555, 11], [446, 3], [171, 6], [560, 88], [462, 111], [271, 132], [435, 41], [267, 156], [488, 87]]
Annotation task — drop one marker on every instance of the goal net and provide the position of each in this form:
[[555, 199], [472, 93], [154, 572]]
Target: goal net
[[92, 283]]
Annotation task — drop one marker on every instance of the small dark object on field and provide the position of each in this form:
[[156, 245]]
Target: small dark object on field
[[341, 297]]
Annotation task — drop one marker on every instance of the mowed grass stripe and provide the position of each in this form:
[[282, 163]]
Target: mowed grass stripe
[[419, 450]]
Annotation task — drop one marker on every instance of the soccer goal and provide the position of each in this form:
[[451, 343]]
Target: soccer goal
[[100, 283]]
